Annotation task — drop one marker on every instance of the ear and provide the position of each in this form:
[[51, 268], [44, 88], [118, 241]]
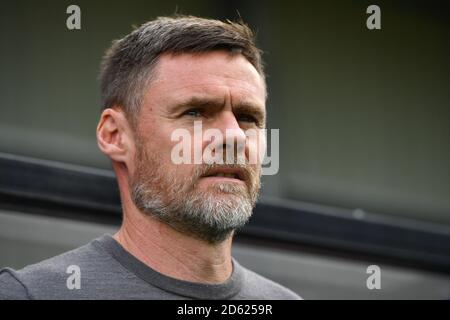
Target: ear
[[114, 136]]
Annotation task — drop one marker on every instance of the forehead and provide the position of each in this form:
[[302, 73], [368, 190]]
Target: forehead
[[217, 74]]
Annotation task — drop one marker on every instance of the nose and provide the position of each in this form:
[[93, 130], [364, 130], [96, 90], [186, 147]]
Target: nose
[[234, 136]]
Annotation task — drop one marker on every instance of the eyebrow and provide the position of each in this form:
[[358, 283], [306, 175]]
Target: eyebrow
[[248, 107], [196, 101]]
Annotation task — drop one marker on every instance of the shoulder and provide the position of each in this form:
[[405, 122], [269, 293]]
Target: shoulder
[[257, 286], [11, 288], [48, 279]]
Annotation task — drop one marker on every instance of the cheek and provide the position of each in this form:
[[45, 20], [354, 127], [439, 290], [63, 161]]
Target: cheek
[[161, 144]]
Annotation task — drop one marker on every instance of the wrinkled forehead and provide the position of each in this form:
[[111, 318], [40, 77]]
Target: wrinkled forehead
[[217, 74]]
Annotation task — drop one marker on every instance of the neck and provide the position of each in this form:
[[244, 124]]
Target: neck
[[174, 254]]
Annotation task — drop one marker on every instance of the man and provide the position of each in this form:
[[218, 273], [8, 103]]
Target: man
[[172, 73]]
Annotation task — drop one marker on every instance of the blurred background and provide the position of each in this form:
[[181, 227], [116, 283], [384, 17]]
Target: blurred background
[[364, 139]]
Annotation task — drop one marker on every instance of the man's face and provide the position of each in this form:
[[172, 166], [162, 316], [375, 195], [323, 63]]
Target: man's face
[[224, 92]]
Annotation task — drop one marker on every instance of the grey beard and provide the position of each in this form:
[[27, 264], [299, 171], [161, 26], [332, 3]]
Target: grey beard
[[210, 215]]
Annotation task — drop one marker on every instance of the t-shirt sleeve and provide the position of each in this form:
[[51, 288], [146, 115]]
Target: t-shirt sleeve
[[10, 287]]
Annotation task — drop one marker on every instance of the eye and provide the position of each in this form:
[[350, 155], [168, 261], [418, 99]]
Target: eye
[[193, 113], [246, 118]]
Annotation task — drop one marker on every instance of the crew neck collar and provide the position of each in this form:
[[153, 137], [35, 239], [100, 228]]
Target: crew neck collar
[[195, 290]]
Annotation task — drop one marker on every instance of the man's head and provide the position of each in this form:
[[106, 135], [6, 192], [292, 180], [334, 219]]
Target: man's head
[[164, 76]]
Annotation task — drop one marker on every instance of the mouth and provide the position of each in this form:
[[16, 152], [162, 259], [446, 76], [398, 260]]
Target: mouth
[[226, 174]]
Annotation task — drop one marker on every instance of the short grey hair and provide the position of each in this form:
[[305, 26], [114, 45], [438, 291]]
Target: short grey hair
[[127, 65]]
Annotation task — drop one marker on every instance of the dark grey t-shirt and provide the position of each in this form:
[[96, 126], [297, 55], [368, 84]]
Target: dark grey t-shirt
[[103, 269]]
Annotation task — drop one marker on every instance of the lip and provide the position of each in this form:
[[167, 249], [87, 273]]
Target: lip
[[222, 179], [237, 172]]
